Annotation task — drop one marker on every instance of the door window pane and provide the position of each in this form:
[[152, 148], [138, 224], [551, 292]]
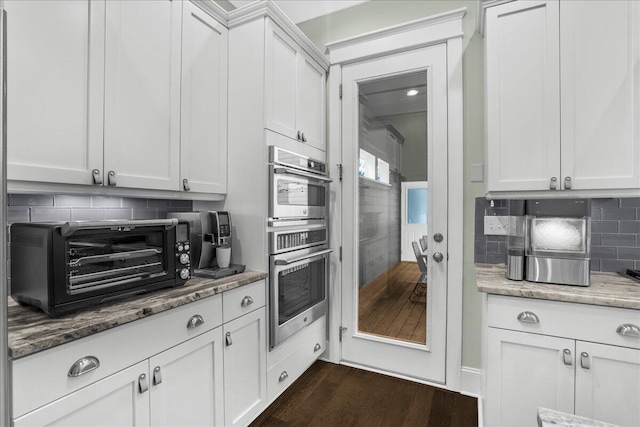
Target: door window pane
[[417, 205]]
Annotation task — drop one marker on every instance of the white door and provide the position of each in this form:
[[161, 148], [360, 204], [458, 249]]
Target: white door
[[245, 368], [55, 96], [113, 401], [203, 141], [371, 219], [186, 383], [608, 383], [600, 74], [142, 94], [414, 214], [527, 371]]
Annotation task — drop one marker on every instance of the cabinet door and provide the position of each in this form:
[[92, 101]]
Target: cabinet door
[[186, 383], [281, 75], [55, 66], [245, 368], [311, 101], [522, 96], [525, 372], [203, 141], [608, 383], [142, 94], [600, 55], [112, 401]]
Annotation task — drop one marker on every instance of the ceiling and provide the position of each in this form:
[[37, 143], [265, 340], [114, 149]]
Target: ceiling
[[388, 97], [304, 10]]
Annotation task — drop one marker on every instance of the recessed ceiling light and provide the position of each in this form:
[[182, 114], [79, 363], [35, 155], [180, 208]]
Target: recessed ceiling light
[[412, 92]]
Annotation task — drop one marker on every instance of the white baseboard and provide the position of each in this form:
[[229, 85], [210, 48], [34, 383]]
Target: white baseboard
[[471, 382]]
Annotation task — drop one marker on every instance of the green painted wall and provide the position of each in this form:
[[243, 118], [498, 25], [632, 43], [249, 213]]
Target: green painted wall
[[377, 14]]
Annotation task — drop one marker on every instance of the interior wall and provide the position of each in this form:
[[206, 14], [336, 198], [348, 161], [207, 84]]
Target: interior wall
[[414, 149], [377, 14]]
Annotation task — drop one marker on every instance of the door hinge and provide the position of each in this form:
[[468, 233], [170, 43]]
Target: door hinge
[[340, 171], [340, 254], [342, 329], [340, 91]]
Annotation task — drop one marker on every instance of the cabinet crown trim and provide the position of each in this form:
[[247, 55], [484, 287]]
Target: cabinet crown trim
[[483, 5], [269, 9], [213, 9]]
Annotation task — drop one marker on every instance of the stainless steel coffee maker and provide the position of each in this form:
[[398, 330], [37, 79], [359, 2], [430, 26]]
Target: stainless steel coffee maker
[[208, 231], [557, 241]]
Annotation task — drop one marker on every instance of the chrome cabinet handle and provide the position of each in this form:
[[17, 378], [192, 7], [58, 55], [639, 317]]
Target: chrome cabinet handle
[[553, 184], [157, 375], [438, 257], [185, 185], [567, 183], [584, 360], [528, 317], [195, 321], [227, 339], [143, 383], [566, 356], [97, 176], [111, 177], [246, 301], [84, 365], [303, 138], [629, 330], [299, 137], [283, 376], [317, 347]]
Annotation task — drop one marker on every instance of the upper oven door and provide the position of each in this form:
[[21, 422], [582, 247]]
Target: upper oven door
[[296, 194]]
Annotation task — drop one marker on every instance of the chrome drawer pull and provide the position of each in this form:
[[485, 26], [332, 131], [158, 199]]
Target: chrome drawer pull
[[584, 360], [111, 178], [84, 365], [157, 375], [317, 347], [528, 317], [246, 301], [283, 376], [143, 384], [629, 330], [566, 356], [195, 321], [227, 339], [97, 176]]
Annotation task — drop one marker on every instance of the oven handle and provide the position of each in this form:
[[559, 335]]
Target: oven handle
[[289, 171], [73, 226], [291, 261]]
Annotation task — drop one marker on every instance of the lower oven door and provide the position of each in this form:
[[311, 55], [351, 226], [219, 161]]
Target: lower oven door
[[297, 291]]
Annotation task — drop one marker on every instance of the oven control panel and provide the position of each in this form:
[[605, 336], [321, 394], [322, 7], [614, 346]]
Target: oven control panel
[[183, 251], [284, 241]]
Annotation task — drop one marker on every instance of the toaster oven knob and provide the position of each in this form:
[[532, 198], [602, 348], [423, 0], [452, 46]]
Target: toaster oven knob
[[186, 247], [184, 273], [180, 248], [184, 259]]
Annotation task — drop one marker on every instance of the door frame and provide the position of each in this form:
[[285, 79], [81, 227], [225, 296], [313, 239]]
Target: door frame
[[444, 29]]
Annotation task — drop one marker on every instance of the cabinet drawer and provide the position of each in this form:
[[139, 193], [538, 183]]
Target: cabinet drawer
[[287, 370], [243, 300], [568, 320], [43, 377]]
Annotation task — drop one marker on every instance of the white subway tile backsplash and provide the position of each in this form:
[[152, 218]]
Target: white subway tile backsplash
[[18, 214], [146, 213], [30, 200], [39, 214], [129, 202], [62, 200], [118, 213], [86, 214], [106, 202]]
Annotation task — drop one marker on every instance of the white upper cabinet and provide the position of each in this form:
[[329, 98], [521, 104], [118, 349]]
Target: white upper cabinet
[[55, 70], [142, 94], [562, 96], [522, 93], [204, 102], [294, 90], [600, 74]]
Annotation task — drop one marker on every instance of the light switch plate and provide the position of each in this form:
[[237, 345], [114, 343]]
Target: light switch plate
[[477, 172], [496, 225]]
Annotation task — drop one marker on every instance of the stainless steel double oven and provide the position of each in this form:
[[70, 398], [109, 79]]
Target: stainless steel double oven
[[298, 242]]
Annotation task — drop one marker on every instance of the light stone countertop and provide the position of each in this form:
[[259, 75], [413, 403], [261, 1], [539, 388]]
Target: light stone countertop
[[31, 330], [550, 417], [609, 289]]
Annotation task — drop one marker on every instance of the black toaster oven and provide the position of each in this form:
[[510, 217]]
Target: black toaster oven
[[61, 268]]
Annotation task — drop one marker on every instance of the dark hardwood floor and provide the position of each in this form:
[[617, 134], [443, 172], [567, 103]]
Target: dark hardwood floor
[[337, 395], [386, 306]]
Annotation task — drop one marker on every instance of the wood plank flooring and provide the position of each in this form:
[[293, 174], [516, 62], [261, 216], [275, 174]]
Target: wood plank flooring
[[337, 395], [386, 309]]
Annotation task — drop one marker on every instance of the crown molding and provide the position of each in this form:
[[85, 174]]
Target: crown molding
[[266, 8], [213, 9]]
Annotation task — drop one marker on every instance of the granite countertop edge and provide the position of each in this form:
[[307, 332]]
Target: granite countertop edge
[[32, 331], [606, 289]]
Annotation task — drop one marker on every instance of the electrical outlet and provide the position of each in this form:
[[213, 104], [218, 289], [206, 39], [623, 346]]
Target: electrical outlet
[[496, 225]]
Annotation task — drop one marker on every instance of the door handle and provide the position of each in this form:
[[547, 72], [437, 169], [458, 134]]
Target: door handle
[[567, 183], [227, 339], [97, 176], [185, 185], [143, 383], [566, 356], [438, 257], [584, 360], [553, 184], [111, 177], [157, 375]]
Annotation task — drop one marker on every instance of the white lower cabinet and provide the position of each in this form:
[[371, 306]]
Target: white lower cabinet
[[245, 368], [113, 401], [540, 354]]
